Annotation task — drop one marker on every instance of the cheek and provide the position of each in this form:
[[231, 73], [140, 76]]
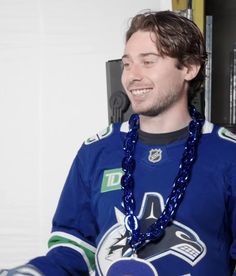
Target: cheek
[[123, 79], [172, 78]]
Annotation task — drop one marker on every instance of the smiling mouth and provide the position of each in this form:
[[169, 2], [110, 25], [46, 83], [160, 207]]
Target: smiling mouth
[[140, 92]]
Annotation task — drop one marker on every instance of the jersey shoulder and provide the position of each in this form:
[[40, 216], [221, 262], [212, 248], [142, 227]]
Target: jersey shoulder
[[226, 135], [223, 137], [220, 143], [100, 135], [106, 135]]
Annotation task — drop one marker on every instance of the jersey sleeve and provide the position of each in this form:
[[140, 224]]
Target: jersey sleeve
[[72, 241]]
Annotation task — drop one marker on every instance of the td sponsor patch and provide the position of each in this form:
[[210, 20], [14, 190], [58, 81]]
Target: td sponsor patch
[[111, 180]]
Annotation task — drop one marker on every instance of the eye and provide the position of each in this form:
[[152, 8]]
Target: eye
[[125, 64], [148, 62]]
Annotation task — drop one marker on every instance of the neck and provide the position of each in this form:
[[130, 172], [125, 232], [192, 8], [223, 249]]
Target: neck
[[167, 121]]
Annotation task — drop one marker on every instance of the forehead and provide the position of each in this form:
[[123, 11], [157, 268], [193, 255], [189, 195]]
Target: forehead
[[141, 42]]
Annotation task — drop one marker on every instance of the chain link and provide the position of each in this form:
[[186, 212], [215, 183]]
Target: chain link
[[157, 229]]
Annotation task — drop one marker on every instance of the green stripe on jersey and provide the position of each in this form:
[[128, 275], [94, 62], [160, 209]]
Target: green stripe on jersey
[[59, 240]]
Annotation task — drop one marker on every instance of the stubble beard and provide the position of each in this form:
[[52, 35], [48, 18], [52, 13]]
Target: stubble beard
[[163, 105]]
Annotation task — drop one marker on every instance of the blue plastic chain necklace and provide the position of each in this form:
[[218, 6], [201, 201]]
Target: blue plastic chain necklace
[[157, 229]]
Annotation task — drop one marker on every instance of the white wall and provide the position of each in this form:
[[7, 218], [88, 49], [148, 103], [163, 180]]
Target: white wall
[[52, 96]]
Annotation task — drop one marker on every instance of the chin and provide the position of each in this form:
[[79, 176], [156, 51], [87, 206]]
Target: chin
[[151, 112], [140, 110]]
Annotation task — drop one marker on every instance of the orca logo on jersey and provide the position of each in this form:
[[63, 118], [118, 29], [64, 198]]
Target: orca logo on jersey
[[179, 240]]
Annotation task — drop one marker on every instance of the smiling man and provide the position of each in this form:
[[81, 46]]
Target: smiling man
[[156, 87], [158, 65], [155, 195]]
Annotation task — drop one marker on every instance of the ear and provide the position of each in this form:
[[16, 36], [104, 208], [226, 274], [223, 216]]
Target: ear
[[192, 71]]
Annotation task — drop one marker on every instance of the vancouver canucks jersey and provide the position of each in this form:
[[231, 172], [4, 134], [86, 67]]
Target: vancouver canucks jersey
[[88, 234]]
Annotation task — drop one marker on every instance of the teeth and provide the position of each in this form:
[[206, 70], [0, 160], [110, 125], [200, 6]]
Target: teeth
[[140, 91]]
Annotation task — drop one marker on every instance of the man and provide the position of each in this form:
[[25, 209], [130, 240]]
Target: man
[[157, 196]]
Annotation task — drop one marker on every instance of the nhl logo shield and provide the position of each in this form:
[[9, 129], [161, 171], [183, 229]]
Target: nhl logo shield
[[155, 155]]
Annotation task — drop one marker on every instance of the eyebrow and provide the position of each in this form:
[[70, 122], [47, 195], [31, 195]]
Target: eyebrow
[[142, 55]]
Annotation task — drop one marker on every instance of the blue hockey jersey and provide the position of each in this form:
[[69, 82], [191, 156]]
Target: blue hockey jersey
[[88, 234]]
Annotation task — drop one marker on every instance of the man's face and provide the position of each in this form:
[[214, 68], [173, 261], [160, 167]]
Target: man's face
[[153, 83]]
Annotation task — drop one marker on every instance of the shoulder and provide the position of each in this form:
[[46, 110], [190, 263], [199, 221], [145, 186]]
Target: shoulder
[[101, 134], [226, 135], [219, 134], [218, 141], [107, 134], [104, 146]]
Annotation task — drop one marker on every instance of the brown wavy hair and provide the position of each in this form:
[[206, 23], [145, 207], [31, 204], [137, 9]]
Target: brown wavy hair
[[176, 37]]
